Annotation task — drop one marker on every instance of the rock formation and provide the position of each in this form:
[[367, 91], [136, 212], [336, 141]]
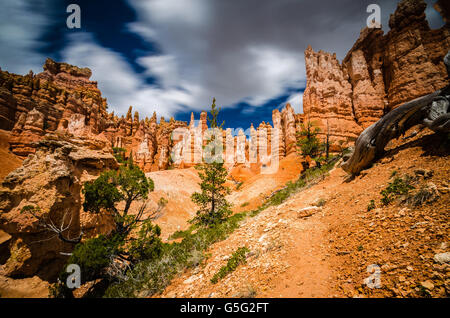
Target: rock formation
[[62, 98], [380, 72], [431, 111], [50, 179]]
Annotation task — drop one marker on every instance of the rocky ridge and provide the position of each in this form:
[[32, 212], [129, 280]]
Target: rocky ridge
[[63, 99], [380, 72]]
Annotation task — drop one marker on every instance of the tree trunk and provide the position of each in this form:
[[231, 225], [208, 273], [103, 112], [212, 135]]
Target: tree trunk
[[431, 110]]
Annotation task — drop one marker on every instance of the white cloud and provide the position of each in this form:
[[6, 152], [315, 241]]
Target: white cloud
[[117, 80], [296, 101], [21, 26], [274, 71], [162, 67], [193, 12], [203, 60]]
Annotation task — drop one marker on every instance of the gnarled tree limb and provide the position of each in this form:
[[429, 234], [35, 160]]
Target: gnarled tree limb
[[431, 110]]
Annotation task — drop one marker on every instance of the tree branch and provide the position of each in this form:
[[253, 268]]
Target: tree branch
[[431, 110]]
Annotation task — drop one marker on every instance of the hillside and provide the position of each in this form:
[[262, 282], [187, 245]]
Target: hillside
[[325, 251]]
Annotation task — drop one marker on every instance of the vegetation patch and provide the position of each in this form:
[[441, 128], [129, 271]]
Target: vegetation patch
[[119, 154], [152, 276], [426, 194], [371, 206], [399, 187], [308, 178], [237, 258], [243, 205], [321, 202]]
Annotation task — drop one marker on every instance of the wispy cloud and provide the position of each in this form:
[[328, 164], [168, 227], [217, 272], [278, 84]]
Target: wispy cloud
[[241, 52], [21, 25], [118, 81]]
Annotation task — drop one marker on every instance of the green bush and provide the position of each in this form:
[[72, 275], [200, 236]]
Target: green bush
[[148, 245], [371, 205], [119, 154], [111, 187], [400, 186], [93, 256], [237, 258], [103, 195], [152, 276], [309, 143]]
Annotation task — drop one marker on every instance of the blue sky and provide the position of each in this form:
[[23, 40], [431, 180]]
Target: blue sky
[[174, 56]]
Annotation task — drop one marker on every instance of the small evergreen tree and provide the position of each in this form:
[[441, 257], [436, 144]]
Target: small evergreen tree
[[119, 154], [214, 208], [111, 187], [308, 142], [99, 257]]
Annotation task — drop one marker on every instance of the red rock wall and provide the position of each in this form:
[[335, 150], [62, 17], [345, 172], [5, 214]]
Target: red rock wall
[[379, 73], [62, 98]]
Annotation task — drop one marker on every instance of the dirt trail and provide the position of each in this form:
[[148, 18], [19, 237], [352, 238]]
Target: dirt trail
[[289, 253], [325, 251]]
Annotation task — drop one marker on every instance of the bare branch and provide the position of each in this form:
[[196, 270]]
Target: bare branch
[[47, 223]]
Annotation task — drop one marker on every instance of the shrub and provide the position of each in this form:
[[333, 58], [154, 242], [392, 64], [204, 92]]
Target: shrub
[[400, 186], [309, 143], [93, 256], [148, 245], [152, 276], [119, 154], [321, 202], [111, 187], [110, 257], [237, 258], [425, 194], [371, 205]]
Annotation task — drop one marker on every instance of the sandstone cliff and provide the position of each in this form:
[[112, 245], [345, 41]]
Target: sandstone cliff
[[50, 179], [62, 98], [380, 72]]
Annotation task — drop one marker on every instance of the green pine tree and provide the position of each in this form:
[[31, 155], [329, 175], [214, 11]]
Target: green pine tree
[[214, 208], [308, 142]]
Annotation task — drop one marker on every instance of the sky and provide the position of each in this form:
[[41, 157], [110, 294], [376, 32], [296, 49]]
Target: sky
[[174, 56]]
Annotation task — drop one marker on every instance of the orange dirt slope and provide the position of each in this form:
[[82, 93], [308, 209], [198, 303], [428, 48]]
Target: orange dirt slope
[[325, 251]]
